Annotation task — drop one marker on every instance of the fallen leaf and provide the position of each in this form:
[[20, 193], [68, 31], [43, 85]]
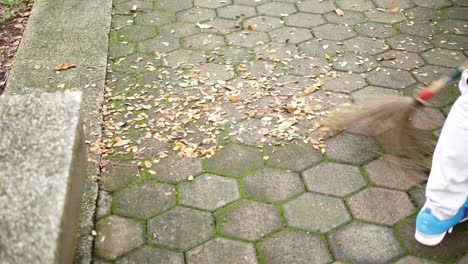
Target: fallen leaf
[[148, 164], [394, 9], [249, 27], [310, 90], [203, 26], [65, 66], [122, 143], [190, 178], [152, 172], [388, 58], [339, 12], [233, 98], [134, 9]]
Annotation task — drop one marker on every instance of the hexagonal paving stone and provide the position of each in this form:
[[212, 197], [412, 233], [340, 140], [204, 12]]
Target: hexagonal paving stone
[[124, 8], [249, 220], [343, 82], [234, 55], [454, 245], [333, 32], [433, 3], [203, 41], [263, 23], [456, 12], [454, 26], [196, 15], [365, 243], [276, 51], [307, 66], [410, 43], [418, 28], [333, 178], [414, 260], [212, 3], [214, 72], [304, 20], [418, 195], [403, 4], [355, 5], [184, 57], [221, 250], [236, 11], [159, 45], [247, 39], [380, 205], [273, 185], [450, 41], [366, 45], [351, 148], [443, 57], [430, 73], [176, 169], [372, 91], [294, 247], [119, 49], [181, 228], [117, 236], [321, 48], [120, 21], [428, 119], [104, 204], [401, 60], [295, 156], [375, 30], [178, 30], [385, 173], [276, 9], [385, 17], [390, 78], [173, 5], [354, 63], [118, 175], [135, 33], [136, 63], [154, 18], [316, 6], [150, 254], [290, 35], [209, 192], [351, 18], [222, 26], [234, 160], [423, 14], [316, 213], [145, 199]]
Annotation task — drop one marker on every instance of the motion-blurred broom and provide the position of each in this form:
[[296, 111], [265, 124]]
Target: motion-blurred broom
[[389, 119]]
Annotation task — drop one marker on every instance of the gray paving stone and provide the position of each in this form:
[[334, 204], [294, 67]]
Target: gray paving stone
[[203, 41], [401, 60], [173, 5], [120, 21], [316, 6], [212, 3], [418, 195], [390, 78], [375, 30], [332, 178], [247, 39], [124, 8], [276, 51], [350, 18], [118, 175], [403, 4], [117, 236], [273, 185], [459, 2], [295, 156], [181, 228], [145, 199], [365, 243], [290, 35], [385, 173], [176, 169], [159, 45], [236, 11], [209, 192], [136, 63], [380, 205], [316, 213], [343, 82], [355, 5], [307, 66], [184, 58], [304, 20], [214, 72], [235, 55], [443, 57], [195, 15], [154, 18], [294, 247], [414, 260], [454, 26], [333, 32], [222, 26], [136, 33], [249, 220], [104, 204], [372, 91], [418, 28], [289, 85], [322, 48], [234, 160], [450, 41], [456, 12], [410, 43], [276, 9], [385, 17], [263, 23], [366, 45], [221, 250], [428, 119], [178, 30], [119, 49], [351, 148], [423, 14], [433, 3], [453, 245], [146, 255], [354, 62]]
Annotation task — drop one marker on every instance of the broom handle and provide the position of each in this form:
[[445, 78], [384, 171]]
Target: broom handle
[[438, 85]]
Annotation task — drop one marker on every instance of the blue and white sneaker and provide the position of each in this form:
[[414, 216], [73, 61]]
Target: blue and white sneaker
[[430, 231]]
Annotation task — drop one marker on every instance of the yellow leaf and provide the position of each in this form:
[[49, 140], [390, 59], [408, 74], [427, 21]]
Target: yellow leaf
[[148, 164], [190, 178], [394, 9], [65, 66], [152, 172], [122, 143], [233, 98], [339, 12]]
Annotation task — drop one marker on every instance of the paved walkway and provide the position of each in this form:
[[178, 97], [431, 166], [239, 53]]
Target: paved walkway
[[212, 151]]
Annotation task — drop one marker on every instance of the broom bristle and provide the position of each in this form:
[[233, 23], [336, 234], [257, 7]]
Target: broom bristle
[[389, 120]]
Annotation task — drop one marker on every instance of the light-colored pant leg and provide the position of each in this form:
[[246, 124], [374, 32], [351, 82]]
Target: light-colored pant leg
[[447, 186]]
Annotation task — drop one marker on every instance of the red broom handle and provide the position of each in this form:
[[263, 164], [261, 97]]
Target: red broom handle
[[438, 85]]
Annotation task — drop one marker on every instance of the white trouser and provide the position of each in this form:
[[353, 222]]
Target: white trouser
[[447, 186]]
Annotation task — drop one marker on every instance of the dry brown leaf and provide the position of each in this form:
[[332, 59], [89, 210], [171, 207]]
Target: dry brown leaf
[[233, 98], [394, 9], [249, 27], [65, 66], [310, 90], [134, 9], [389, 57], [339, 12], [148, 164], [122, 143]]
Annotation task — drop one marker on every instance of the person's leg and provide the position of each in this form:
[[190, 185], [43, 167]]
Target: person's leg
[[447, 186]]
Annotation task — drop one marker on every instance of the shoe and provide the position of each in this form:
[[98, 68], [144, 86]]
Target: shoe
[[430, 231]]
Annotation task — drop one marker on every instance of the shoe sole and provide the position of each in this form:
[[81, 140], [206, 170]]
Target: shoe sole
[[432, 240]]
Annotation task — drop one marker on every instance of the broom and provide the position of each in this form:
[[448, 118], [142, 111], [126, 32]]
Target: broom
[[389, 120]]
